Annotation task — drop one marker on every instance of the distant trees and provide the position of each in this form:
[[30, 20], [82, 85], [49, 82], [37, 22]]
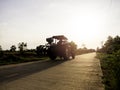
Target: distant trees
[[41, 50], [84, 50], [22, 47], [13, 48]]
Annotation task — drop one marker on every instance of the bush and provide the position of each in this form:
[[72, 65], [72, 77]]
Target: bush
[[7, 59], [110, 64]]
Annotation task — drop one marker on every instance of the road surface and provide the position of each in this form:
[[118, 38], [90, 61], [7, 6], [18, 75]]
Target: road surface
[[82, 73]]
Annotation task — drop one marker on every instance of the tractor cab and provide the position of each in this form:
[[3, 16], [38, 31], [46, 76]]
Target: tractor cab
[[58, 40]]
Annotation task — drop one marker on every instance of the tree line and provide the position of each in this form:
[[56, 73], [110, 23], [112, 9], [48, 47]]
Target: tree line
[[21, 46], [42, 49], [23, 54]]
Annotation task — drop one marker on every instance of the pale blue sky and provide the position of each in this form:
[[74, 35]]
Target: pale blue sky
[[83, 21]]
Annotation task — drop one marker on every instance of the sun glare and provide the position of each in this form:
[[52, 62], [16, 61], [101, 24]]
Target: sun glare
[[85, 28]]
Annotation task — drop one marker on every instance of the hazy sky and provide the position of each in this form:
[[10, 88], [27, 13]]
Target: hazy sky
[[83, 21]]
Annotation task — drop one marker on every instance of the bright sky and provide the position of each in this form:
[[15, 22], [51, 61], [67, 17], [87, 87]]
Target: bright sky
[[86, 22]]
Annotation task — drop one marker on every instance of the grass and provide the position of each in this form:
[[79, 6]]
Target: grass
[[14, 59], [110, 64]]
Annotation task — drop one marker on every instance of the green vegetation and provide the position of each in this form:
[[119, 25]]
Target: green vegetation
[[13, 48], [26, 55], [15, 57], [109, 56], [22, 55], [22, 47], [84, 50]]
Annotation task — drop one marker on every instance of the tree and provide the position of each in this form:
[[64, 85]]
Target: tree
[[111, 45], [22, 46], [41, 50], [1, 52], [73, 44], [13, 48], [0, 48]]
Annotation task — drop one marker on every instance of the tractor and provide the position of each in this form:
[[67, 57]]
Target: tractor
[[58, 46]]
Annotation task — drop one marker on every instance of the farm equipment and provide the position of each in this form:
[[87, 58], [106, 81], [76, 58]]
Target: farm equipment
[[58, 46]]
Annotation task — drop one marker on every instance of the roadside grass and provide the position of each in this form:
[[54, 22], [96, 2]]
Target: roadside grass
[[110, 65], [14, 59]]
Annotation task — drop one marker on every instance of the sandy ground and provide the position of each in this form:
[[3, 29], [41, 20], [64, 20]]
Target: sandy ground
[[81, 73]]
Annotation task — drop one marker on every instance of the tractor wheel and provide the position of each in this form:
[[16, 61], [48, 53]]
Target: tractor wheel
[[52, 57], [66, 54], [51, 54], [73, 56]]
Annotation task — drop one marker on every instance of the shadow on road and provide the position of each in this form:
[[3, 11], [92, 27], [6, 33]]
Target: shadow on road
[[16, 72]]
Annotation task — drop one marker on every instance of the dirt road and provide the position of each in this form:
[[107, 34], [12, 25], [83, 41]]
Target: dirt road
[[82, 73]]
